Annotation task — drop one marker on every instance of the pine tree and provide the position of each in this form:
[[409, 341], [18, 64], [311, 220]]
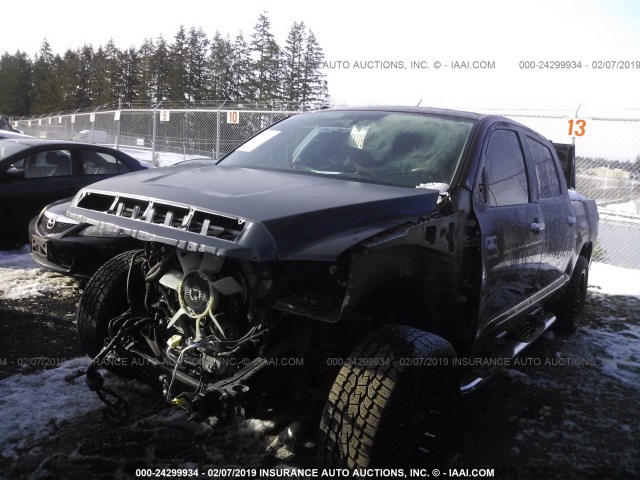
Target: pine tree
[[314, 90], [197, 44], [160, 66], [263, 85], [241, 74], [146, 75], [191, 68], [220, 74], [178, 55], [15, 84], [293, 63], [113, 72], [101, 92], [67, 72], [46, 88], [130, 67], [84, 77]]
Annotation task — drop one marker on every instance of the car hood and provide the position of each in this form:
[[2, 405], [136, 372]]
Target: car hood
[[249, 213]]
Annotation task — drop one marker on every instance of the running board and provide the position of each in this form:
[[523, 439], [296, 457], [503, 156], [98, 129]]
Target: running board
[[513, 344]]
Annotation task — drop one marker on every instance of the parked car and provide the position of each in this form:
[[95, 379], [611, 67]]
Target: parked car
[[94, 136], [65, 245], [13, 135], [34, 173], [349, 270]]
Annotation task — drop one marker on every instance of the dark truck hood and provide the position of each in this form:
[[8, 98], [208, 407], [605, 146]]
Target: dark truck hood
[[250, 213]]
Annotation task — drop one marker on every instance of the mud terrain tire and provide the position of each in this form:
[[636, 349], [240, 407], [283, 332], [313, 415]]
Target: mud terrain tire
[[395, 413]]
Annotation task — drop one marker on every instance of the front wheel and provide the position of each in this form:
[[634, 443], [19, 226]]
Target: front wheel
[[104, 298], [391, 403]]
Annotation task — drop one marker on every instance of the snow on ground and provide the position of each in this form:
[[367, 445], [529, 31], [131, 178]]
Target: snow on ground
[[621, 351], [631, 207], [55, 395], [612, 280], [58, 395], [628, 212], [21, 277], [618, 335]]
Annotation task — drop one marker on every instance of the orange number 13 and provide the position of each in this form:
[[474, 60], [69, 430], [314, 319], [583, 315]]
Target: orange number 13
[[577, 127]]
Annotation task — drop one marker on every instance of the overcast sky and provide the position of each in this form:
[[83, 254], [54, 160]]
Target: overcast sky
[[504, 32]]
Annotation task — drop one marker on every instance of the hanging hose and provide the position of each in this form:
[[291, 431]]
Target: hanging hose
[[179, 360], [129, 293], [117, 411]]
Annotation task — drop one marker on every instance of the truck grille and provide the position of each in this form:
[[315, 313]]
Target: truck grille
[[180, 217]]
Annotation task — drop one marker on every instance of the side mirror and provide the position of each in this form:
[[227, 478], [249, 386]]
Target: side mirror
[[13, 173]]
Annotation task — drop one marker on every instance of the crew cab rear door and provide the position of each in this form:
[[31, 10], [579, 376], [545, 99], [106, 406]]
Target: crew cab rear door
[[511, 226], [557, 211]]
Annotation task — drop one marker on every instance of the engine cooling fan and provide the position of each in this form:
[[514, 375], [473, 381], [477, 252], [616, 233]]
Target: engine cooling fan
[[199, 284]]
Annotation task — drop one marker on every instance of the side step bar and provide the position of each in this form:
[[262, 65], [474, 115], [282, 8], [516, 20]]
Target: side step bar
[[514, 344]]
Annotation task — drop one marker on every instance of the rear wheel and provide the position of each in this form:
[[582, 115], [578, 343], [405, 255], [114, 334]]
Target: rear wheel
[[570, 306], [391, 403]]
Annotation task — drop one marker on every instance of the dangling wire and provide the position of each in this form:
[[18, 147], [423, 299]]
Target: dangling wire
[[179, 361]]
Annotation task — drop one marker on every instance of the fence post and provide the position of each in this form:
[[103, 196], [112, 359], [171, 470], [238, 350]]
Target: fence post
[[117, 142], [218, 130], [93, 125], [153, 137]]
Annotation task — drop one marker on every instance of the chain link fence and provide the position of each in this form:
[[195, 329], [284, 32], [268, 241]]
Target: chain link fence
[[607, 149], [162, 135]]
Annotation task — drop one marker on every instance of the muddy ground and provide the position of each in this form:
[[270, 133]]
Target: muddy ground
[[544, 418]]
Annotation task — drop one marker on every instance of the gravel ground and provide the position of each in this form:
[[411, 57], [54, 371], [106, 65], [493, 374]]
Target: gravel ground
[[569, 409]]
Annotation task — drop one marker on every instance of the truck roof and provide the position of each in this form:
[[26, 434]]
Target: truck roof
[[422, 110]]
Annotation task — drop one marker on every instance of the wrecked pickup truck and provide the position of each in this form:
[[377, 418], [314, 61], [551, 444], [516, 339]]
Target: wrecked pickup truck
[[352, 269]]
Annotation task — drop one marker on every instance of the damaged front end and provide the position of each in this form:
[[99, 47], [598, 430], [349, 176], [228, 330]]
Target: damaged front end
[[219, 310], [202, 327]]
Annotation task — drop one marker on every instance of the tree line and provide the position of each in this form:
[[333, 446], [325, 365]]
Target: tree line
[[190, 69]]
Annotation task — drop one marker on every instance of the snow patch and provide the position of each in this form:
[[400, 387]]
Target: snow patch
[[22, 277], [631, 207], [254, 426], [612, 280], [621, 350], [32, 406]]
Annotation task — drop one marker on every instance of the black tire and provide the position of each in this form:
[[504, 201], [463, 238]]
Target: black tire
[[395, 414], [104, 298], [570, 306]]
